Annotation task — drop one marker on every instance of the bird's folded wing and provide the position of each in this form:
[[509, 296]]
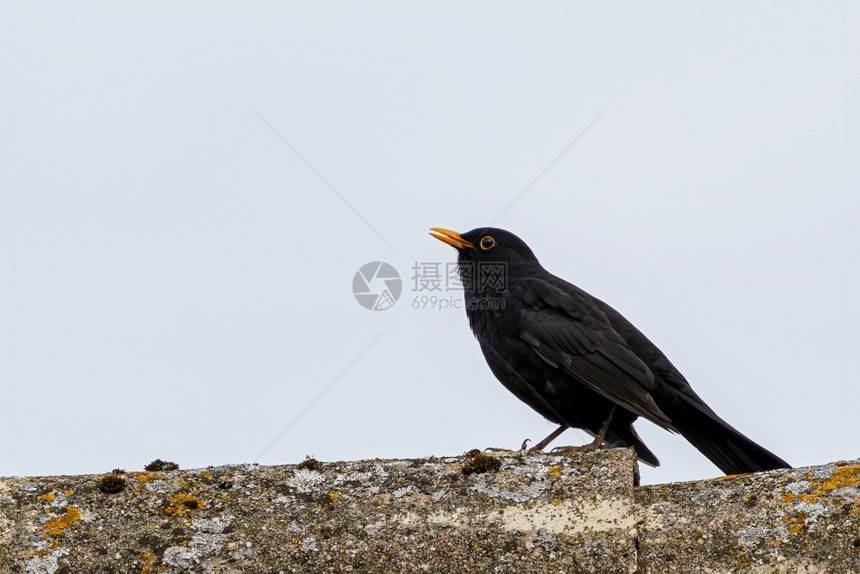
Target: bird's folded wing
[[652, 356], [570, 335]]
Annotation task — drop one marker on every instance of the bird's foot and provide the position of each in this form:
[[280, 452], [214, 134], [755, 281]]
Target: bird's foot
[[598, 442], [523, 447], [543, 444]]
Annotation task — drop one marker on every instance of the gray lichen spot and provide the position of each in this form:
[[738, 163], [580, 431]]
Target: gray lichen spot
[[215, 525], [358, 478], [179, 557], [161, 486], [754, 535], [798, 487], [823, 472], [309, 543], [47, 564], [401, 492], [524, 494], [812, 511], [305, 480]]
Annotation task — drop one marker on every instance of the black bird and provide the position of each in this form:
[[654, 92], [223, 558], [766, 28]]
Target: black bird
[[577, 361]]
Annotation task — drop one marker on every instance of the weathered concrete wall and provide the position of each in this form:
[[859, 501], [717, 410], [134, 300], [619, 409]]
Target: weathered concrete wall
[[541, 513]]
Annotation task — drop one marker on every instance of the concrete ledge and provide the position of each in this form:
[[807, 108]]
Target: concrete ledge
[[541, 513], [805, 520]]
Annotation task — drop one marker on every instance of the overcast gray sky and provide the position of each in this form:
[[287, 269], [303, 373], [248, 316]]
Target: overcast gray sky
[[189, 189]]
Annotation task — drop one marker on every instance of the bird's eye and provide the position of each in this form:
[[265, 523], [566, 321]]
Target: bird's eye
[[487, 242]]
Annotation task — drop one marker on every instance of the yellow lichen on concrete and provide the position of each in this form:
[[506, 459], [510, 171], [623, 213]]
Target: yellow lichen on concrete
[[727, 477], [554, 471], [842, 477], [797, 523], [181, 502], [146, 476], [55, 526], [820, 493], [148, 561], [48, 497]]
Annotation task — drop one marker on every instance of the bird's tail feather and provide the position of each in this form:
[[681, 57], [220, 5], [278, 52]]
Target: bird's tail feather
[[727, 448]]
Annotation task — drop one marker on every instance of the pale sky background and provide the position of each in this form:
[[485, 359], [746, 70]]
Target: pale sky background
[[176, 282]]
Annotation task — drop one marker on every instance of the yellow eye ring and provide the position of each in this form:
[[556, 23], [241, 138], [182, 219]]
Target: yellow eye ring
[[487, 242]]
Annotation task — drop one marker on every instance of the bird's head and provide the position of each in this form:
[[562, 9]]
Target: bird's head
[[487, 244]]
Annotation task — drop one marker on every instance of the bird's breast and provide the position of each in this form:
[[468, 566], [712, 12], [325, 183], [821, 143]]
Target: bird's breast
[[490, 320]]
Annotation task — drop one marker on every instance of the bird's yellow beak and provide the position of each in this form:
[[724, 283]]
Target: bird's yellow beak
[[450, 237]]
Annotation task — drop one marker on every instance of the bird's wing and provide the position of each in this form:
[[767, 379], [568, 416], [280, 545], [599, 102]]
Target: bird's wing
[[654, 358], [569, 332]]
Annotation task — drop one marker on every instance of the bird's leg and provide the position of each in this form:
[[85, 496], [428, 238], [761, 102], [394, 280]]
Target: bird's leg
[[542, 444], [593, 445]]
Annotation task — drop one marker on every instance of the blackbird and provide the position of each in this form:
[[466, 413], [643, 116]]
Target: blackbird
[[577, 361]]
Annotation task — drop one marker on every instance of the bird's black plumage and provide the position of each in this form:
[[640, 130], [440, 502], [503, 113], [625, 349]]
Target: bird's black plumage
[[572, 358]]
